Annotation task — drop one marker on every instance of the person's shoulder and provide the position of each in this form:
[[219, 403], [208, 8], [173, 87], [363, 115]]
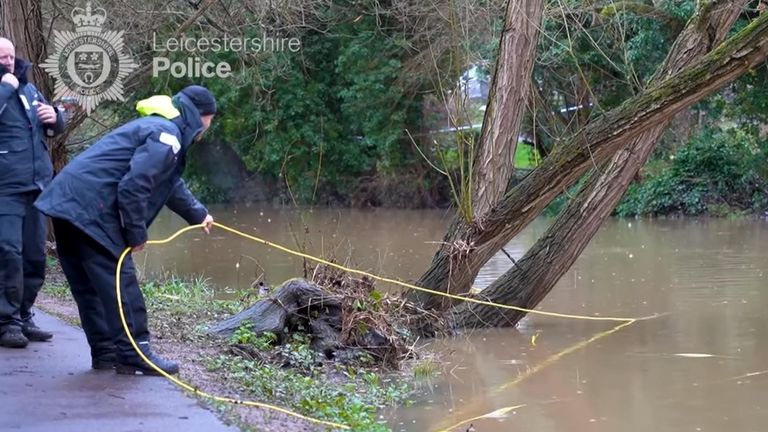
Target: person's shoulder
[[158, 123], [158, 127]]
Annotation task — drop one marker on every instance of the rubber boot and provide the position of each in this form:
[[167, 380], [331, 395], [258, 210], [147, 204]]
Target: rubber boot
[[34, 333], [104, 361], [133, 364], [12, 337]]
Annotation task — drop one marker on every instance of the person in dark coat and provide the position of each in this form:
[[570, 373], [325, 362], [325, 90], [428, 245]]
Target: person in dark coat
[[105, 199], [26, 119]]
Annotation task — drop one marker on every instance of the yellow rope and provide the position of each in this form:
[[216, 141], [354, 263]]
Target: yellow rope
[[330, 264], [396, 282], [547, 362], [195, 390], [554, 358], [499, 412]]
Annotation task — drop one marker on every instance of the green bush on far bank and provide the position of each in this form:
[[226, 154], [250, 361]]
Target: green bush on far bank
[[721, 172]]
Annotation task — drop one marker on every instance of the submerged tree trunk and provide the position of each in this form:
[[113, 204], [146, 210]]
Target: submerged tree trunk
[[493, 162], [475, 244]]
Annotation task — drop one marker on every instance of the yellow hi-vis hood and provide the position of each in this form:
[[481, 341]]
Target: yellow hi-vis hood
[[160, 105]]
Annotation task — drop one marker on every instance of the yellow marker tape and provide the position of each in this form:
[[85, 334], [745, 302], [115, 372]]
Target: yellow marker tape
[[400, 283], [330, 264], [555, 357], [530, 372], [495, 414]]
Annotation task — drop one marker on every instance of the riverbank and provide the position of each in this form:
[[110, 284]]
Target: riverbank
[[248, 366]]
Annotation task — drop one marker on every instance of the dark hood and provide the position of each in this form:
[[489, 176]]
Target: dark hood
[[189, 122]]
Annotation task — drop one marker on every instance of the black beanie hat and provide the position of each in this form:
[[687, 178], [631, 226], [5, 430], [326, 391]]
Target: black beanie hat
[[201, 98]]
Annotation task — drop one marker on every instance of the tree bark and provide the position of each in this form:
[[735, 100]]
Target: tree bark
[[493, 162], [553, 254], [22, 22], [475, 244], [295, 299]]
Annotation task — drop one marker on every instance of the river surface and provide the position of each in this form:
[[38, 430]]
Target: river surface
[[701, 366]]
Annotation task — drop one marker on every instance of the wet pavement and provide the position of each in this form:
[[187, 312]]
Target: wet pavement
[[50, 386]]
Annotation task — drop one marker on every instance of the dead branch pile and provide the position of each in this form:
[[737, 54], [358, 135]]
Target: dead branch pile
[[346, 319]]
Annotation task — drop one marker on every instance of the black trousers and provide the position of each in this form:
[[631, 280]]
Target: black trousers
[[22, 257], [90, 271]]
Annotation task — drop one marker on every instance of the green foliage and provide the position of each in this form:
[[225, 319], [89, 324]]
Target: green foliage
[[297, 353], [320, 118], [177, 296], [598, 61], [246, 336], [56, 284], [57, 290], [173, 287], [426, 369], [199, 184], [293, 374], [353, 401], [526, 156], [745, 101], [559, 204], [370, 303], [720, 172]]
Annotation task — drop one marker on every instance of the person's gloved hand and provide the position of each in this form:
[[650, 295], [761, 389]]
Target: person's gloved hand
[[11, 79]]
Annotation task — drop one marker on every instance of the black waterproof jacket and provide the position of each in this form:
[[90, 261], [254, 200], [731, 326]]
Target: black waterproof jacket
[[115, 189], [24, 161]]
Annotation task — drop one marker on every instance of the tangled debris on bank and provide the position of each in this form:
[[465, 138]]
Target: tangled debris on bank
[[345, 319]]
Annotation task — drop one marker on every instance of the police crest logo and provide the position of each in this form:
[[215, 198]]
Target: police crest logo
[[89, 64]]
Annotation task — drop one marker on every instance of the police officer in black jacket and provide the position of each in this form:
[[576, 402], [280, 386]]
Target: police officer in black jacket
[[104, 200], [25, 169]]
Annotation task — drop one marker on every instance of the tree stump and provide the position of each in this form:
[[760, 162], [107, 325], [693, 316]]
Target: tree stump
[[297, 302]]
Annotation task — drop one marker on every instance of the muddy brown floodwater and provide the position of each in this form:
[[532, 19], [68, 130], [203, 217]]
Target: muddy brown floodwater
[[703, 366]]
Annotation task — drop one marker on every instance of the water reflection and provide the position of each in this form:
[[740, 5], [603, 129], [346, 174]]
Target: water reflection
[[397, 243], [707, 275]]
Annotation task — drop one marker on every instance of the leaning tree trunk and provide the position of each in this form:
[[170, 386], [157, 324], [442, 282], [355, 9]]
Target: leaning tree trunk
[[553, 254], [475, 244], [493, 162]]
